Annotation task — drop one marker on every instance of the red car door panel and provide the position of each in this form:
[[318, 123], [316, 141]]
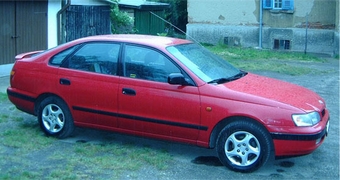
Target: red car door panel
[[89, 83], [159, 108], [91, 103], [148, 104]]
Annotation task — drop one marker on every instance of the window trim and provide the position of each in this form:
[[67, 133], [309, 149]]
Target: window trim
[[278, 3], [286, 5], [65, 62], [122, 60]]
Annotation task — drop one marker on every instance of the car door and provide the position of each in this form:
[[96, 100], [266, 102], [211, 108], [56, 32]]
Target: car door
[[149, 105], [88, 81]]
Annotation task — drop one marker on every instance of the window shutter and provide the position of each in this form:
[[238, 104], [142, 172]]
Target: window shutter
[[267, 4], [288, 4]]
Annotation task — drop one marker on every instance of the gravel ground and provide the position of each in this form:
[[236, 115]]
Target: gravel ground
[[192, 162]]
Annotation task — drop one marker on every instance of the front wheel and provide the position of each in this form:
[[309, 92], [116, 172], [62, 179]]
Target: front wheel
[[55, 118], [244, 146]]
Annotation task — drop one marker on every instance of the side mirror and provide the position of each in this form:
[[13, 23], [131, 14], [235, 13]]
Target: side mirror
[[177, 79]]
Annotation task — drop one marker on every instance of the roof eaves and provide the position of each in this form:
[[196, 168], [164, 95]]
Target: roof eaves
[[147, 5]]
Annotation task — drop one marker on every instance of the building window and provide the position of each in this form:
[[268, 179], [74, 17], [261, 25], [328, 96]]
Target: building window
[[286, 5], [281, 44], [277, 4]]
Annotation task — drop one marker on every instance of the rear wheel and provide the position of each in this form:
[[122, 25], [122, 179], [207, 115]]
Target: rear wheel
[[55, 118], [244, 146]]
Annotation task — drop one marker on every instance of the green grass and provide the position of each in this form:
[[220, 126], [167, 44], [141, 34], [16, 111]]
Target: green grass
[[3, 97], [4, 118], [233, 53], [26, 137], [266, 60], [72, 161], [111, 157]]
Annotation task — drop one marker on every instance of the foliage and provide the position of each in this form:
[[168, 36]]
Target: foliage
[[177, 15], [121, 22]]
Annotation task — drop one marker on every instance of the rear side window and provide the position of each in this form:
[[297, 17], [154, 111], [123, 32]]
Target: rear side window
[[95, 57], [58, 58]]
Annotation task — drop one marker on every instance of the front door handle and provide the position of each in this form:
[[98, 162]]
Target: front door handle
[[129, 91], [64, 81]]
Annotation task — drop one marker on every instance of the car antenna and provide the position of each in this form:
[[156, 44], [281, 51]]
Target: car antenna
[[175, 27]]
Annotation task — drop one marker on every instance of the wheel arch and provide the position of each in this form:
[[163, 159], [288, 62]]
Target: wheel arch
[[219, 126], [43, 96]]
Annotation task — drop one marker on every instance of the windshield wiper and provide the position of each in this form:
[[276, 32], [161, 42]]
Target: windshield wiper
[[232, 78]]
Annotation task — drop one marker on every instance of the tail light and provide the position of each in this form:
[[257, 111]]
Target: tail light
[[12, 74]]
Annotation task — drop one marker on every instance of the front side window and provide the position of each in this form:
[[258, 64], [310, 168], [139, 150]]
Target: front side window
[[95, 57], [144, 63]]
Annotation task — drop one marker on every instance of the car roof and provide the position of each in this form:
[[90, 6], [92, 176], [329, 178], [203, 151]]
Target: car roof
[[150, 40]]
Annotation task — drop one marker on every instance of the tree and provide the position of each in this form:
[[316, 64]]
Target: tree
[[177, 15], [121, 22]]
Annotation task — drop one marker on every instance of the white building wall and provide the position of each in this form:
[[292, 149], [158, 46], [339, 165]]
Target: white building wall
[[228, 12], [236, 22], [53, 8]]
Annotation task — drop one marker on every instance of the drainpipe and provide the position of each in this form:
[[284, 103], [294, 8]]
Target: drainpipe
[[63, 9], [306, 36], [260, 30]]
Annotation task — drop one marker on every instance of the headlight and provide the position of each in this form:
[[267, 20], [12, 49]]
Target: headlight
[[306, 119]]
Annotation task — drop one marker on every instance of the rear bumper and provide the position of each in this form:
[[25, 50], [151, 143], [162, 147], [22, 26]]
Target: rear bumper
[[22, 101]]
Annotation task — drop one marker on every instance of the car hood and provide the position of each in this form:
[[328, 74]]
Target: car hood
[[279, 91]]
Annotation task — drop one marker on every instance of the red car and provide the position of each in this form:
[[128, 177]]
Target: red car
[[170, 89]]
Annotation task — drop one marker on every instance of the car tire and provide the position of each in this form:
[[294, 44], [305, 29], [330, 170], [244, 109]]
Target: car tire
[[244, 146], [55, 118]]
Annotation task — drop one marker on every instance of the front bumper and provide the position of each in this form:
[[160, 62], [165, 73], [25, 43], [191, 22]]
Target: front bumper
[[298, 144]]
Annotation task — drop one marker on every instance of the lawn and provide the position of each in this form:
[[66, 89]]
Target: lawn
[[249, 59]]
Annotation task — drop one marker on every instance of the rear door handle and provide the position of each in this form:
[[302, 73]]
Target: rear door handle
[[64, 81], [129, 91]]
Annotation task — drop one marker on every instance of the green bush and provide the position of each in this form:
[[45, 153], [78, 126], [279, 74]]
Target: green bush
[[121, 22]]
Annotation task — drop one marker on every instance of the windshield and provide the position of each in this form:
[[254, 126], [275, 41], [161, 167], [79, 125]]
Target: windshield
[[206, 65]]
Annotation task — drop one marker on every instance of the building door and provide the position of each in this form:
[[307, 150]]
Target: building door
[[83, 21], [23, 28]]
